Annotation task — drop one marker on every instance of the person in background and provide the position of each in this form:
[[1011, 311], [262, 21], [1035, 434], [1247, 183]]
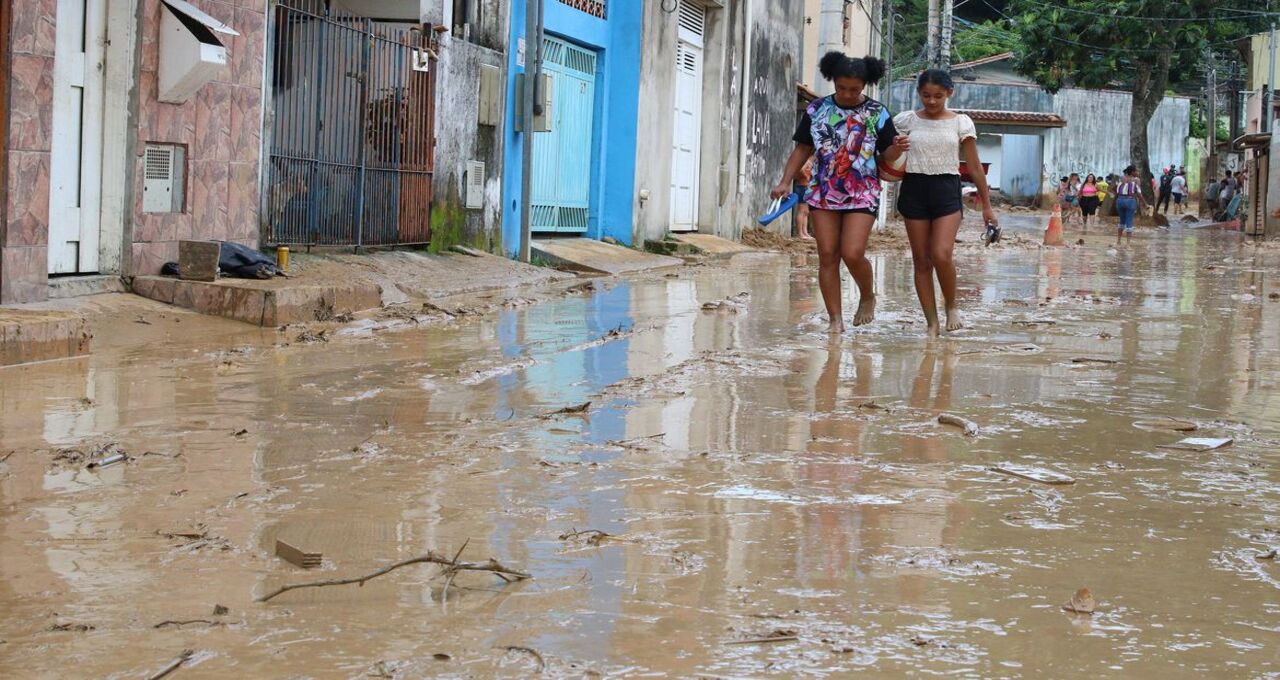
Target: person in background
[[1234, 181], [929, 198], [1128, 202], [1211, 191], [1089, 199], [802, 210], [1178, 187], [1165, 191], [1072, 209], [843, 133], [1227, 191]]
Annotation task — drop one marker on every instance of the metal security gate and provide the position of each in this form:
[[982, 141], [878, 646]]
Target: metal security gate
[[562, 157], [352, 125]]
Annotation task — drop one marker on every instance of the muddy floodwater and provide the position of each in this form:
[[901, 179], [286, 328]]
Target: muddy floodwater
[[741, 496]]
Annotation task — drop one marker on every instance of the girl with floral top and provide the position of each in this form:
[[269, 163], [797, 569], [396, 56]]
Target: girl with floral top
[[929, 198], [843, 133]]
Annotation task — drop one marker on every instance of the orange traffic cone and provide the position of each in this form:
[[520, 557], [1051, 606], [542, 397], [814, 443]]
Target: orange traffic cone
[[1053, 235]]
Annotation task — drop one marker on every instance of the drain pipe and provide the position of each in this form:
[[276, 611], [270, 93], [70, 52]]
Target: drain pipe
[[748, 25]]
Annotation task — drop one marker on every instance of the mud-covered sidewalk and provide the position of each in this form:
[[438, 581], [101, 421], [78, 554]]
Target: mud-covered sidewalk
[[697, 479]]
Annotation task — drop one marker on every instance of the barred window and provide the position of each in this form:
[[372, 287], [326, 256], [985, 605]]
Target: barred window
[[593, 7]]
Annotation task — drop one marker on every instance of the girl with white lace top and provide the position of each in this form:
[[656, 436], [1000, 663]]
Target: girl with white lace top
[[929, 199]]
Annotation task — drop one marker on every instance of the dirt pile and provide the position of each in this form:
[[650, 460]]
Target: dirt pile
[[769, 240]]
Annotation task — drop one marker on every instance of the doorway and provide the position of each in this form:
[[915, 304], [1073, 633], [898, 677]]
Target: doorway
[[561, 197], [686, 143], [75, 172]]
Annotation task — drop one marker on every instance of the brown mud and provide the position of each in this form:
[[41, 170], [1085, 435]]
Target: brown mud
[[694, 493]]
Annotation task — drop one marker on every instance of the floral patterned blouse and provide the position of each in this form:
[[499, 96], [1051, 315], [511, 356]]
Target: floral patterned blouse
[[845, 143]]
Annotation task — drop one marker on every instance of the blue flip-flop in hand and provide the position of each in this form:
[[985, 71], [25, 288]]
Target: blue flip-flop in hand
[[779, 207]]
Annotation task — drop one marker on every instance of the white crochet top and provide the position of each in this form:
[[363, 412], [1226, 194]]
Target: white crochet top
[[935, 144]]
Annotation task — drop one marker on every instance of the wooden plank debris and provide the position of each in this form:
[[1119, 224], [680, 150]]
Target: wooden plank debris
[[1034, 474], [1199, 444], [297, 557]]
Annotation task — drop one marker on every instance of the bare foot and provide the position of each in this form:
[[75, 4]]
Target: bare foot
[[836, 327], [866, 310], [805, 237], [954, 322], [933, 331]]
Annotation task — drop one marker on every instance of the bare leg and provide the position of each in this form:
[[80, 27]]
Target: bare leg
[[942, 246], [855, 229], [802, 222], [919, 234], [826, 229]]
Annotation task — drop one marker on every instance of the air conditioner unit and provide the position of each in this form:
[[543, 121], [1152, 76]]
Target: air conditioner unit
[[190, 53]]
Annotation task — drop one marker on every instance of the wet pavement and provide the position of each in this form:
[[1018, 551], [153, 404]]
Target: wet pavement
[[743, 497]]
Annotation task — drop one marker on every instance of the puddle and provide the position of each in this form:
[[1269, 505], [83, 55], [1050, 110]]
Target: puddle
[[753, 476]]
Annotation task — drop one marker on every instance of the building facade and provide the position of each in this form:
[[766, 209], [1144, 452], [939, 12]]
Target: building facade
[[1032, 138], [717, 110], [584, 161], [113, 153]]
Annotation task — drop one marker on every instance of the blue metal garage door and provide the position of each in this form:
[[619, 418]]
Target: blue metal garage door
[[562, 157]]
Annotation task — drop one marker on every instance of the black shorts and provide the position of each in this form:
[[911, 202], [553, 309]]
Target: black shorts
[[850, 211], [928, 197], [1089, 205], [1177, 199]]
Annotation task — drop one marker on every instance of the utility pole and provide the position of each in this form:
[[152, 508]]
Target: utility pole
[[888, 53], [830, 39], [1270, 101], [944, 35], [532, 65], [935, 31], [1210, 172]]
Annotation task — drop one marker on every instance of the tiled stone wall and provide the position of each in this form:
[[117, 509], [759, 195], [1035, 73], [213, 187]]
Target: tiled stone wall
[[221, 129], [25, 232]]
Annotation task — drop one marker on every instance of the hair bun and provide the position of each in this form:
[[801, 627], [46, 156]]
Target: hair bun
[[832, 65]]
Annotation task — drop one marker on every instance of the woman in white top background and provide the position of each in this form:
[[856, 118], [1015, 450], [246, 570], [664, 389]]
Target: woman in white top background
[[929, 198]]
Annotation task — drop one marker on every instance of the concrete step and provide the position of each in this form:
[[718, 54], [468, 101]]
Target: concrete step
[[587, 255], [712, 245], [62, 287], [672, 248], [28, 335], [273, 302]]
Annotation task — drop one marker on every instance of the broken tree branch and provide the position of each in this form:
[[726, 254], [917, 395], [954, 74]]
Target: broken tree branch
[[186, 655], [451, 568], [180, 624], [542, 664]]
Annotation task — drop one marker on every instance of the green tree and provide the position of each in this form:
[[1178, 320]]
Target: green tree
[[1101, 43], [976, 41]]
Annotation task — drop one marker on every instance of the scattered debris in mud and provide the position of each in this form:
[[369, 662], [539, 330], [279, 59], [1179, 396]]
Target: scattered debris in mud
[[778, 635], [92, 457], [312, 336], [196, 540], [1082, 602], [1034, 474], [733, 304], [71, 628], [1172, 424], [1199, 444], [589, 537], [578, 410], [451, 568], [970, 428], [296, 556], [1094, 360]]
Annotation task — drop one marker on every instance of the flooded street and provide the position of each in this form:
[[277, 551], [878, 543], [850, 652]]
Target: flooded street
[[742, 497]]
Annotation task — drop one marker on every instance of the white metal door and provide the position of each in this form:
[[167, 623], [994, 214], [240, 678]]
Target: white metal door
[[75, 172], [686, 143]]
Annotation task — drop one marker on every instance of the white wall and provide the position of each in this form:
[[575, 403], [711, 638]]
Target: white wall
[[990, 150]]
